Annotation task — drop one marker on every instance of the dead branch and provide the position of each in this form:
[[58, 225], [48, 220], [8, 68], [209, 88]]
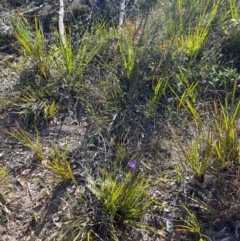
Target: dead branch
[[34, 10]]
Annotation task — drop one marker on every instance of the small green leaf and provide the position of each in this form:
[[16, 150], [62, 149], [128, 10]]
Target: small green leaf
[[2, 200]]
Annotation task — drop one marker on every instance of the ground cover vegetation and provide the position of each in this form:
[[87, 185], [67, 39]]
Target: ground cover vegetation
[[124, 127]]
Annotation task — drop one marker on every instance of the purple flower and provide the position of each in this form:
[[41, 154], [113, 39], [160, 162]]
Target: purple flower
[[133, 164]]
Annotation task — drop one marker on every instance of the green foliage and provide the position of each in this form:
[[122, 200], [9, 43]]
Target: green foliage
[[183, 101], [33, 104], [56, 161], [193, 112], [128, 51], [50, 110], [73, 60], [180, 175], [223, 79], [188, 93], [58, 58], [180, 50], [124, 198], [234, 9], [197, 154], [192, 41], [132, 52], [3, 182], [28, 141], [2, 199], [190, 89], [64, 63], [226, 146], [192, 225], [159, 90], [32, 45]]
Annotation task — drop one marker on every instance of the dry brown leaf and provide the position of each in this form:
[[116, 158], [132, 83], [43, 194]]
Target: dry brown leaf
[[26, 172], [22, 182]]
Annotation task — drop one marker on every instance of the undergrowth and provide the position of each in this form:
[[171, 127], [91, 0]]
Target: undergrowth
[[166, 71]]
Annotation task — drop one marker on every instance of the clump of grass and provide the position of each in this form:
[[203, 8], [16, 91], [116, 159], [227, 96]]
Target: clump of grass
[[226, 146], [56, 66], [59, 164], [34, 104], [33, 45], [196, 155], [128, 52], [190, 90], [56, 161], [192, 41], [32, 143], [192, 225], [122, 199], [73, 60], [118, 200], [188, 98]]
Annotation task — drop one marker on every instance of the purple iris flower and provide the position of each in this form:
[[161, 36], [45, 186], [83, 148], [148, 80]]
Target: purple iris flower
[[133, 164]]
